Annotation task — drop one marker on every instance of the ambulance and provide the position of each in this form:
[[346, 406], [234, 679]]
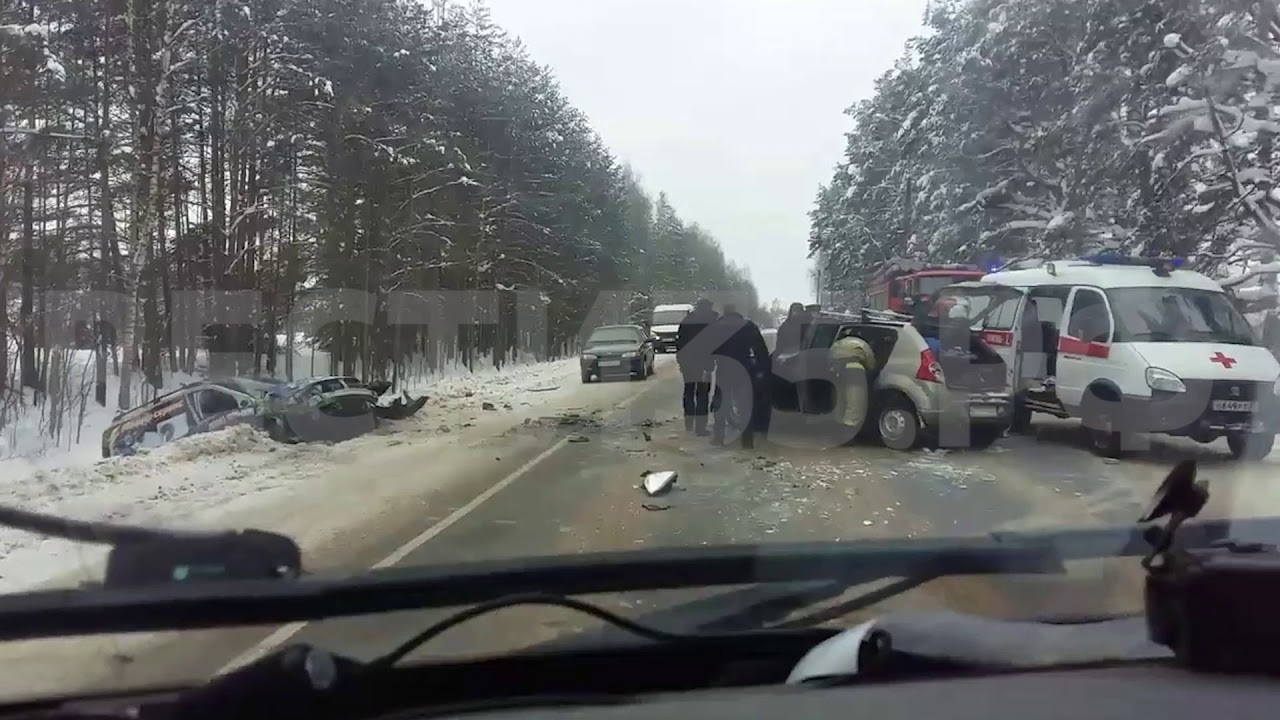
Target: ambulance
[[1129, 346]]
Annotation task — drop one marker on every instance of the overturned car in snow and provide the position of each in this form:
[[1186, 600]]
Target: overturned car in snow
[[314, 409]]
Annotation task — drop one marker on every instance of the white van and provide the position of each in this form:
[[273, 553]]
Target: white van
[[665, 323], [1129, 345]]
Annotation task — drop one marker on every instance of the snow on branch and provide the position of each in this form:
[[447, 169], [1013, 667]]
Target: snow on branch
[[1271, 268]]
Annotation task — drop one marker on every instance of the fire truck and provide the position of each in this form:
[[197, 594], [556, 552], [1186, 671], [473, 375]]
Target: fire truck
[[889, 286]]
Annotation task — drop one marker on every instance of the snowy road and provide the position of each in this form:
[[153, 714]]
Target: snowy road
[[513, 484]]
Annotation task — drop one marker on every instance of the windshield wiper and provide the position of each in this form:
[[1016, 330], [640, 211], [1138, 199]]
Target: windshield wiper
[[253, 602], [780, 606], [145, 556]]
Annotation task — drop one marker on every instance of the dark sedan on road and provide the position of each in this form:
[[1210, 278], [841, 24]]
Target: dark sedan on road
[[618, 351]]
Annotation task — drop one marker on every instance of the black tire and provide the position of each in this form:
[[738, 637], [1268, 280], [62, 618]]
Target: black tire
[[1099, 424], [870, 432], [898, 424], [1250, 447], [981, 438], [277, 431], [586, 377], [1021, 421]]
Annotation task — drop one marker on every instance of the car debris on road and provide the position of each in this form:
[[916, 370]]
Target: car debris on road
[[659, 482]]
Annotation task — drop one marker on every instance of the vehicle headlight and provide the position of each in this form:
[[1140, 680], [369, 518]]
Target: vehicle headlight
[[1161, 379], [588, 356], [630, 354]]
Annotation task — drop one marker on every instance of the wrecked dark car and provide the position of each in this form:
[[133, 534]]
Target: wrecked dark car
[[330, 408], [313, 409]]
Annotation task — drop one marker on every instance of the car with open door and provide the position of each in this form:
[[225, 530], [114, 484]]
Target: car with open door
[[1129, 346], [928, 386]]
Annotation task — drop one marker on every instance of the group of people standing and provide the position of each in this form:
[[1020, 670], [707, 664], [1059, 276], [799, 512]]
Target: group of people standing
[[726, 365]]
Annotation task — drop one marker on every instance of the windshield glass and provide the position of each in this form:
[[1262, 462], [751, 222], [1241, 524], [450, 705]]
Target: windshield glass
[[669, 317], [454, 232], [930, 284], [605, 336], [1156, 314]]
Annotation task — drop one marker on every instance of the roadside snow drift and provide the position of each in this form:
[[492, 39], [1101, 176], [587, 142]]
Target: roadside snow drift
[[206, 480]]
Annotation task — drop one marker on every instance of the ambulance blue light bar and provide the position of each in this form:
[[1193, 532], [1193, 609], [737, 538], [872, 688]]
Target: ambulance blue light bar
[[1161, 266]]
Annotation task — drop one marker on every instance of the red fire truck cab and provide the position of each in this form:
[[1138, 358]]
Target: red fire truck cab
[[889, 287]]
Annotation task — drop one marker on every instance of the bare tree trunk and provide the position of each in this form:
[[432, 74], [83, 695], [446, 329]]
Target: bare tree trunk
[[144, 168], [175, 194], [4, 280], [217, 89], [26, 310], [106, 238]]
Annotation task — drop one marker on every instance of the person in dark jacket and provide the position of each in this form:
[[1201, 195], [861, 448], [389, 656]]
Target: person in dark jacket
[[696, 365], [793, 336], [791, 331], [743, 368]]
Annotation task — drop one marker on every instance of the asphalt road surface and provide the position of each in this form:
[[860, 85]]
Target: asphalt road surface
[[568, 484]]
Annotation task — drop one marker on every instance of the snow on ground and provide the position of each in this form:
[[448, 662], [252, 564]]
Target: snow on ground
[[198, 481]]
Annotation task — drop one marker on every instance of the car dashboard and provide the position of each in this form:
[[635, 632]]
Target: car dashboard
[[1097, 693], [1048, 670]]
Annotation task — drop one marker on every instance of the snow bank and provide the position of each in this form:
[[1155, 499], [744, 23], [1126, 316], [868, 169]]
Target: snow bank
[[204, 480], [186, 483]]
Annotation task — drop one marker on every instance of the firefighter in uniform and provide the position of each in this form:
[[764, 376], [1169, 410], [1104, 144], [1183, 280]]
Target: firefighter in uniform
[[854, 364]]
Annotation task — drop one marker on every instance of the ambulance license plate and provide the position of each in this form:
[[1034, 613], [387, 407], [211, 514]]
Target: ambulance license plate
[[1234, 406]]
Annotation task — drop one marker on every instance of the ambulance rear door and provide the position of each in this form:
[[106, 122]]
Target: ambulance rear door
[[994, 310]]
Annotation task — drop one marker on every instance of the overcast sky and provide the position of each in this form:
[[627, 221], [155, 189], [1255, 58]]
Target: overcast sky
[[734, 108]]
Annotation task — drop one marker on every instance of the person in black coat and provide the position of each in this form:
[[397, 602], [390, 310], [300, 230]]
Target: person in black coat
[[696, 364], [743, 368], [792, 336], [791, 331]]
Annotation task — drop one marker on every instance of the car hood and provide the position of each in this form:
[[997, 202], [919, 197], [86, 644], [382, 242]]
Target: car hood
[[1202, 361], [611, 348]]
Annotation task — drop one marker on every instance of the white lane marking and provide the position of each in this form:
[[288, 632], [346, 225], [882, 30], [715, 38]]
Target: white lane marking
[[284, 633], [406, 549]]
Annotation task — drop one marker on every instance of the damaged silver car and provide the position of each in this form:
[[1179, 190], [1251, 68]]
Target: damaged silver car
[[332, 409]]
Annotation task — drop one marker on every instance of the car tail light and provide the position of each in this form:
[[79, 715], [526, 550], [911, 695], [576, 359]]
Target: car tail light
[[929, 370]]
